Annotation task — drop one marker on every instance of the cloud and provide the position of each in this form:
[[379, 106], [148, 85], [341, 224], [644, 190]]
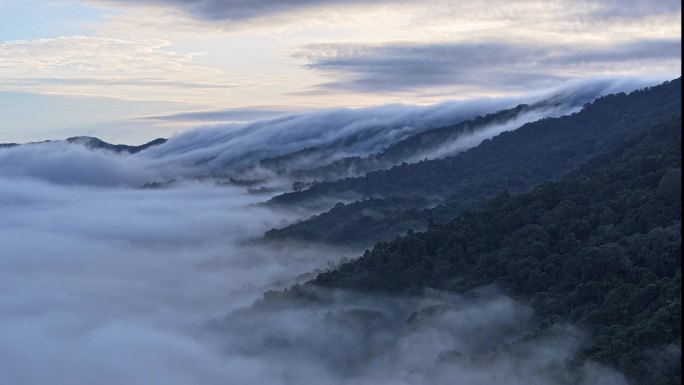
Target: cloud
[[339, 133], [101, 66], [116, 285], [225, 115], [64, 163], [309, 139], [112, 285], [344, 338], [556, 102], [65, 116], [468, 140], [108, 284], [634, 9], [87, 54], [408, 67], [238, 10], [303, 140], [107, 82], [230, 147], [333, 133]]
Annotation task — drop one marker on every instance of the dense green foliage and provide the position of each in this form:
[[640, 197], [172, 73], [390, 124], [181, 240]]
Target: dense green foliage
[[365, 221], [600, 248], [515, 161]]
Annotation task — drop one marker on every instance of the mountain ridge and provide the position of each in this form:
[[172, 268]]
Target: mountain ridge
[[512, 161]]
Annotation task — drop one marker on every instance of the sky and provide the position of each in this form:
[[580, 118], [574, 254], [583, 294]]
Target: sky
[[128, 71]]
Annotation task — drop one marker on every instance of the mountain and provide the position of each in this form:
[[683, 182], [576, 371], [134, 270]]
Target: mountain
[[433, 143], [514, 161], [422, 138], [307, 140], [600, 248], [95, 143]]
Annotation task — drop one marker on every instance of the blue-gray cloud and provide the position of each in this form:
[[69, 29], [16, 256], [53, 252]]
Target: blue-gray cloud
[[406, 67], [634, 9], [239, 10], [150, 82], [224, 115]]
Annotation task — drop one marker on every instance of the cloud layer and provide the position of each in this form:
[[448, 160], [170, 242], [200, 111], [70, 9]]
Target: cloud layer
[[111, 285], [116, 285], [225, 115], [102, 66], [407, 67], [351, 338], [236, 10]]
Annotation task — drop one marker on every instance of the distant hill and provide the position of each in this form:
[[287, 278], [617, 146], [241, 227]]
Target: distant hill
[[95, 143]]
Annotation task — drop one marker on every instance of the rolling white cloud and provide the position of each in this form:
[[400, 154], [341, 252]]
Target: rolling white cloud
[[358, 132], [223, 55], [116, 285], [109, 285]]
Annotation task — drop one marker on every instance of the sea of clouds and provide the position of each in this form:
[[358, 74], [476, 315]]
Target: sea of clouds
[[102, 282]]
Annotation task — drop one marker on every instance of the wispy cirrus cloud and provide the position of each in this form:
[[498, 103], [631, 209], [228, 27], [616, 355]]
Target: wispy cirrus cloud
[[87, 65]]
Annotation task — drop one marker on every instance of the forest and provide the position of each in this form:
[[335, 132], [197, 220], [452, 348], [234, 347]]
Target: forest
[[599, 248]]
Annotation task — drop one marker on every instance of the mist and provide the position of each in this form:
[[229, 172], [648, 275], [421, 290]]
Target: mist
[[333, 133], [336, 337], [114, 285], [109, 285], [473, 139]]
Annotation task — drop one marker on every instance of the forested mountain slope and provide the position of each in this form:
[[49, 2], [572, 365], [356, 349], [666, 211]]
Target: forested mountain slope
[[432, 143], [599, 249], [515, 161]]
